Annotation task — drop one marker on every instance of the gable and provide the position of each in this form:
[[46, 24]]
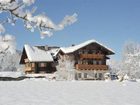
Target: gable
[[23, 56]]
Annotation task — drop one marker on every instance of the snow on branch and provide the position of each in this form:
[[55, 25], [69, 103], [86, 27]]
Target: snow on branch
[[2, 29], [68, 20], [17, 10], [28, 2], [7, 42]]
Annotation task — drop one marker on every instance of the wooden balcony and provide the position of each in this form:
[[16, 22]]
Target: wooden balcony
[[91, 67], [92, 56]]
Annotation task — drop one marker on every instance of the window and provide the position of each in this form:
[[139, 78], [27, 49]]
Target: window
[[97, 62], [96, 76], [90, 62], [33, 64], [94, 62], [83, 61], [79, 62], [100, 75], [90, 52], [85, 75], [79, 75], [100, 62], [94, 51], [42, 64], [103, 62], [100, 52], [86, 52], [80, 52]]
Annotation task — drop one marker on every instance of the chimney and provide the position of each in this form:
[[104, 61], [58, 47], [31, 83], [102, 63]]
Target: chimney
[[46, 47], [73, 45]]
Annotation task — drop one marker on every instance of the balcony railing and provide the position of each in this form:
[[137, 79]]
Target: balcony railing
[[91, 67], [92, 56]]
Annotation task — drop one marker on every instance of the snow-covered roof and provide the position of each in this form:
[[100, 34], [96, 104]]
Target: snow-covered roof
[[54, 51], [37, 55], [76, 47]]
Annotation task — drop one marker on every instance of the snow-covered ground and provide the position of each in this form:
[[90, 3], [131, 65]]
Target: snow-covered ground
[[11, 74], [42, 92]]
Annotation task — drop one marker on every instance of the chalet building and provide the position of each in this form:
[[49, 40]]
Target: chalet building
[[87, 60], [38, 59]]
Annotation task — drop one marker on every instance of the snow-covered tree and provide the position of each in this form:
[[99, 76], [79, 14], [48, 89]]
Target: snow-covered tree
[[17, 9], [9, 56], [115, 66], [130, 62], [65, 67], [69, 63], [131, 59]]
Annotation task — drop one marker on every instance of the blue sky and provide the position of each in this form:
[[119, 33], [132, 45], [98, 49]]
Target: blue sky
[[111, 22]]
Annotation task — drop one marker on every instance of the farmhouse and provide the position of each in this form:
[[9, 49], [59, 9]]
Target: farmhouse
[[86, 60], [38, 59]]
